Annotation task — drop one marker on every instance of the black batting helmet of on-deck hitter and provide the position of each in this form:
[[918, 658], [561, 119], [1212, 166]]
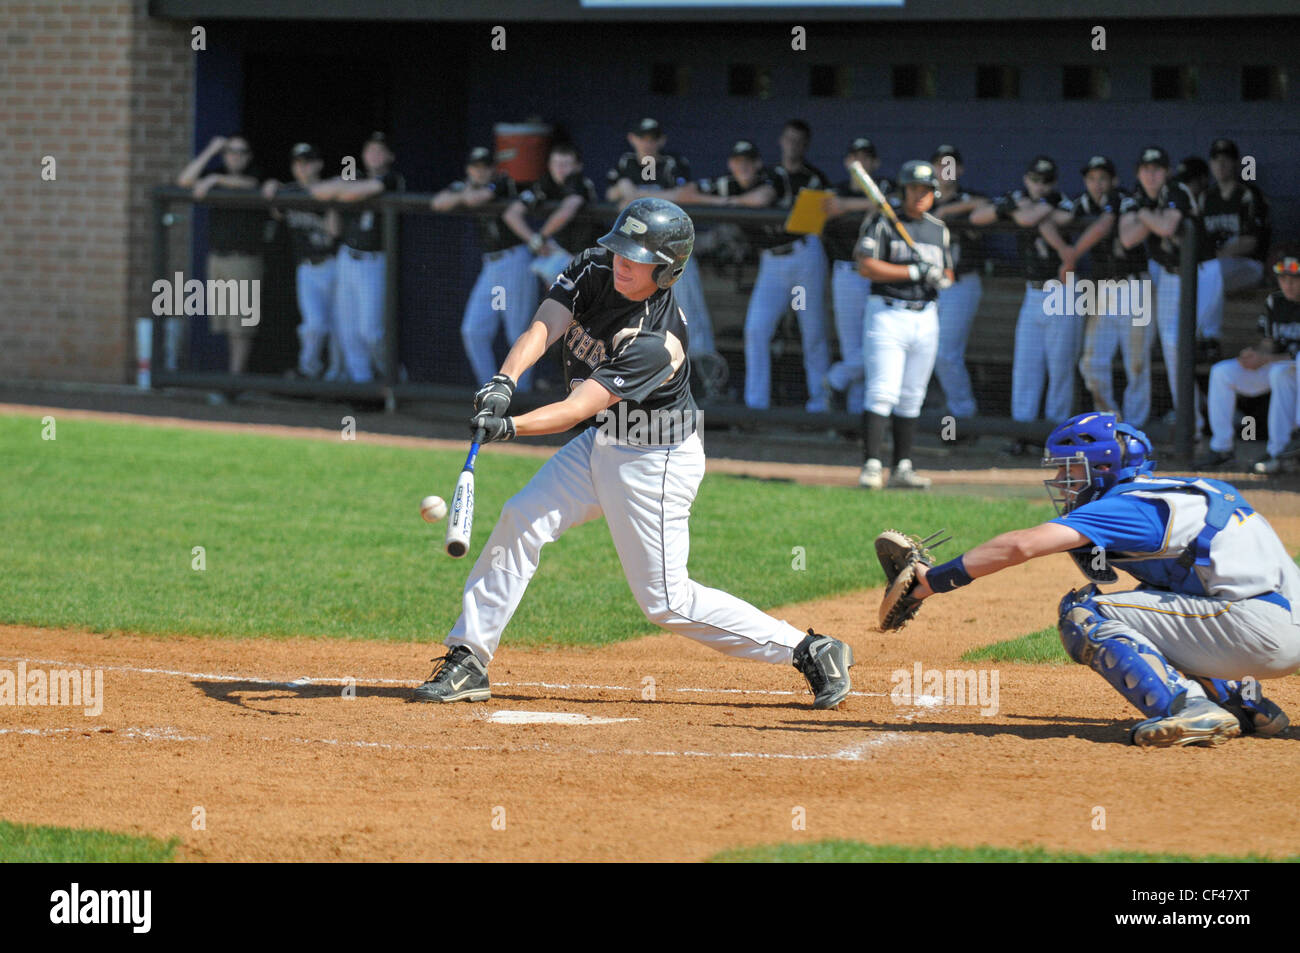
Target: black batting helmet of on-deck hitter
[[653, 232], [918, 172]]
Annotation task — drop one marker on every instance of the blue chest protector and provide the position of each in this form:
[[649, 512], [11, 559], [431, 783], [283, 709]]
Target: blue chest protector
[[1175, 574]]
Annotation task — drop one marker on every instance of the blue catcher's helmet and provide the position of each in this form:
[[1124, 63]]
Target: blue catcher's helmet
[[1096, 452]]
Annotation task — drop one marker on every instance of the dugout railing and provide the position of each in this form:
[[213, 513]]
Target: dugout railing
[[174, 208]]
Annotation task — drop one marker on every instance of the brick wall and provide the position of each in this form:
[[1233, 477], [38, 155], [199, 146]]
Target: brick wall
[[108, 93]]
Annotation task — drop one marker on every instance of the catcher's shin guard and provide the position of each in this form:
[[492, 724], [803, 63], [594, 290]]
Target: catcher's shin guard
[[1134, 669]]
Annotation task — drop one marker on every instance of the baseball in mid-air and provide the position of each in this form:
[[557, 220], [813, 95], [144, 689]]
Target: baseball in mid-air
[[433, 508]]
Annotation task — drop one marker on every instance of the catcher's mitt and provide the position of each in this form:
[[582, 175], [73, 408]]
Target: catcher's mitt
[[899, 555]]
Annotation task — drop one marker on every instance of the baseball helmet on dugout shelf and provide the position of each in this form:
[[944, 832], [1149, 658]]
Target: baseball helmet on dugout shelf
[[1097, 452], [654, 232]]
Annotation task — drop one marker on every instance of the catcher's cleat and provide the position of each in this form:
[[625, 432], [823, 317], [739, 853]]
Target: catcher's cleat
[[1256, 714], [1199, 722], [903, 477], [457, 677], [872, 476], [825, 662]]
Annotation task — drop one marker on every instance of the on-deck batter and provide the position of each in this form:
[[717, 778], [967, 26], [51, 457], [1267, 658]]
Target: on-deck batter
[[625, 345]]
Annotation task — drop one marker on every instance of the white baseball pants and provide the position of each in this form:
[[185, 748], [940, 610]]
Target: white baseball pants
[[316, 291], [779, 278], [360, 313], [1131, 334], [1228, 379], [505, 291], [645, 495], [688, 292], [849, 293], [900, 347], [958, 304], [1047, 347]]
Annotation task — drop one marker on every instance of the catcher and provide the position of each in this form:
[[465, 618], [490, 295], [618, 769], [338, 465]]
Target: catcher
[[1219, 602]]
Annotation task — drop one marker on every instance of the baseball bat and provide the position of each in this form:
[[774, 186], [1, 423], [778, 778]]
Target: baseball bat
[[873, 192], [461, 524]]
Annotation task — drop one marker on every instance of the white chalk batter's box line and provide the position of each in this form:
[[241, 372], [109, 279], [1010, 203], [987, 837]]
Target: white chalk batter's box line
[[920, 701], [854, 752]]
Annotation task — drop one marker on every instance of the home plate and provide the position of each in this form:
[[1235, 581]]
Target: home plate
[[507, 717]]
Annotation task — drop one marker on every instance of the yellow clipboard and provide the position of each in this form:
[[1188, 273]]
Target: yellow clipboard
[[808, 214]]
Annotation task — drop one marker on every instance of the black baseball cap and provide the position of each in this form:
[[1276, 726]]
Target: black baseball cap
[[1043, 167], [480, 155], [378, 137], [304, 150], [745, 148], [1153, 155], [647, 127], [1192, 167], [944, 150], [1223, 146], [1098, 162], [862, 144]]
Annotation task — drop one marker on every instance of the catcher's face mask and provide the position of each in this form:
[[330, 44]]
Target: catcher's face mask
[[1073, 476]]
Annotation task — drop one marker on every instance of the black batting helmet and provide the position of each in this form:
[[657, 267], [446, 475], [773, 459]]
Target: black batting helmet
[[653, 232], [918, 172]]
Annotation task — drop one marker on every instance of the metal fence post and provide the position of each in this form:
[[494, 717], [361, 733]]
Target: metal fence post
[[391, 252], [1186, 371]]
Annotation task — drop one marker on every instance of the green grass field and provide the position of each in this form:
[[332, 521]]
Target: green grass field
[[322, 538], [1043, 646], [856, 852], [33, 844]]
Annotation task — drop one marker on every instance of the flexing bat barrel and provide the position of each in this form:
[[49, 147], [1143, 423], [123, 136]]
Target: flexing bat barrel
[[873, 192], [461, 523]]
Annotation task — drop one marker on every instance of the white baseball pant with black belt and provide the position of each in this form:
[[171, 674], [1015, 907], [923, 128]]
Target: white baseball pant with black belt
[[505, 291], [1047, 347], [645, 494], [779, 274], [899, 352]]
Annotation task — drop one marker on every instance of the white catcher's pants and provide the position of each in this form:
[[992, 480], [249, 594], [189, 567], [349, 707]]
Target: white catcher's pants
[[645, 495]]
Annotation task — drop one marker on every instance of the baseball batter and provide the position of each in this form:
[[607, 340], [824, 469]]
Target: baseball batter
[[1047, 345], [1267, 367], [959, 302], [902, 322], [1218, 608], [625, 347], [506, 289], [845, 212]]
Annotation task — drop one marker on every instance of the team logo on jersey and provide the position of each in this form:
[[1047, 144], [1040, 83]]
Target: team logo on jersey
[[633, 226]]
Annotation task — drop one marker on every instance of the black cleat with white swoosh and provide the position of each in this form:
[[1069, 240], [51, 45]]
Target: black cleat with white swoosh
[[825, 662], [457, 677]]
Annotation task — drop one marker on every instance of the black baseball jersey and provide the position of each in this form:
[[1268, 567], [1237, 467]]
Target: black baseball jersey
[[840, 233], [809, 177], [760, 236], [1280, 322], [309, 238], [1244, 212], [364, 229], [1041, 261], [634, 349], [577, 234], [492, 232], [880, 240], [1164, 251], [967, 241], [1109, 257], [235, 230], [667, 171]]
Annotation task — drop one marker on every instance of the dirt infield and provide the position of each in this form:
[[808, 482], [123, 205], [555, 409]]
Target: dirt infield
[[678, 752]]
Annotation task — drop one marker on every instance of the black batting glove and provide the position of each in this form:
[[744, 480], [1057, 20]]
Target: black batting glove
[[494, 428], [495, 396]]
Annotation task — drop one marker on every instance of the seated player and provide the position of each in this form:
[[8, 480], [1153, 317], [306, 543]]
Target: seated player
[[1219, 603]]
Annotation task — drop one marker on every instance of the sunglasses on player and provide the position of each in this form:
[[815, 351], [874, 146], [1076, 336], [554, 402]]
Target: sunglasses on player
[[1287, 266]]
